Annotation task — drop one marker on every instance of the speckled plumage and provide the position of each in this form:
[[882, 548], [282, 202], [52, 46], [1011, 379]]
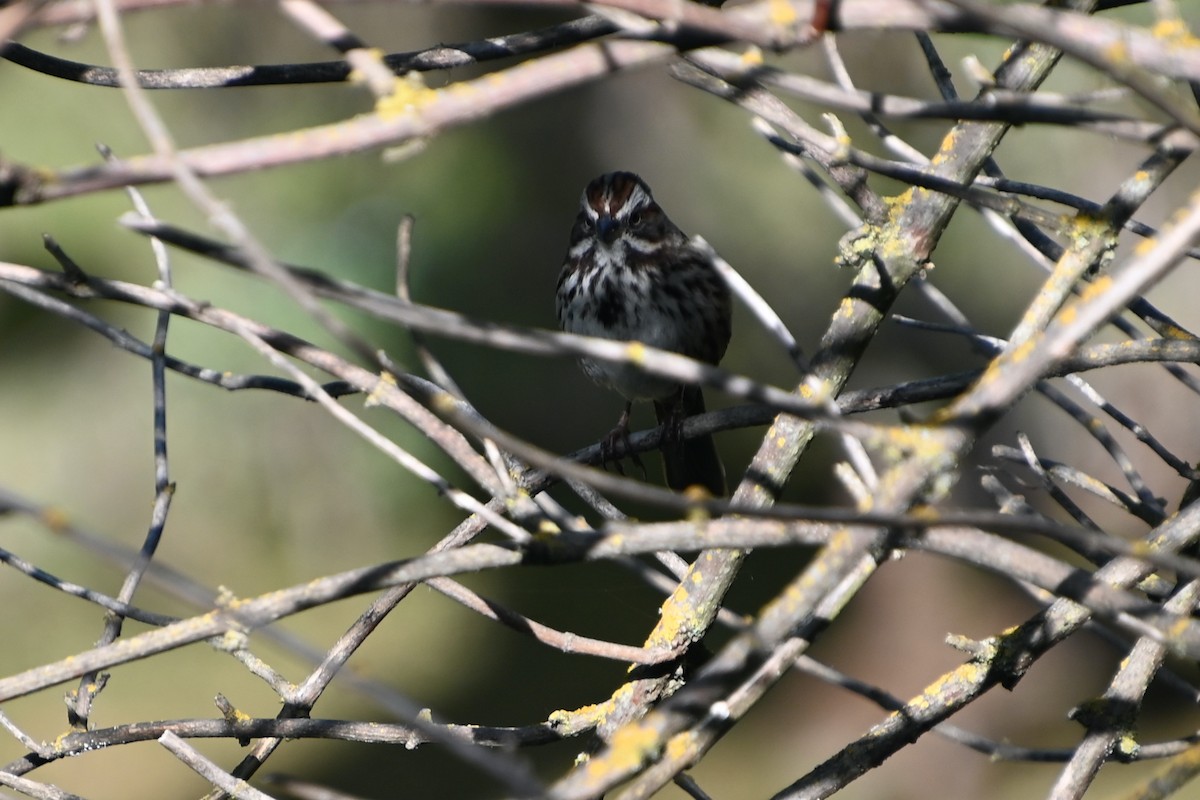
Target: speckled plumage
[[631, 274], [646, 283]]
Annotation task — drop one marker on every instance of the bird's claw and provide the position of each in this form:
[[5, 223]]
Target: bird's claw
[[617, 442], [671, 433]]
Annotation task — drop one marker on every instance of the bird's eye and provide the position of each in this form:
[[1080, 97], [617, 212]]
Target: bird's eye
[[636, 220]]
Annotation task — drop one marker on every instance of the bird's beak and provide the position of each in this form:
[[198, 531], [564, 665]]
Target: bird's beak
[[607, 228]]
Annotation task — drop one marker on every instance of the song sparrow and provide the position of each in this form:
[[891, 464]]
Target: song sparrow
[[630, 274]]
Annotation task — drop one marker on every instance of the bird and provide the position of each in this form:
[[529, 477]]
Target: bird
[[631, 274]]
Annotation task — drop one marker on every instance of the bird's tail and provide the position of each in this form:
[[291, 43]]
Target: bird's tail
[[688, 462]]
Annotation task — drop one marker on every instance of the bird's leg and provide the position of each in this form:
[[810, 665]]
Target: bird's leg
[[617, 439]]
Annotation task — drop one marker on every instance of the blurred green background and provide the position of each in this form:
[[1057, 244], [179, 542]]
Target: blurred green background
[[273, 492]]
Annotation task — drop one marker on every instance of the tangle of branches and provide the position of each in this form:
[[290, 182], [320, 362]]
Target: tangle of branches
[[1099, 546]]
